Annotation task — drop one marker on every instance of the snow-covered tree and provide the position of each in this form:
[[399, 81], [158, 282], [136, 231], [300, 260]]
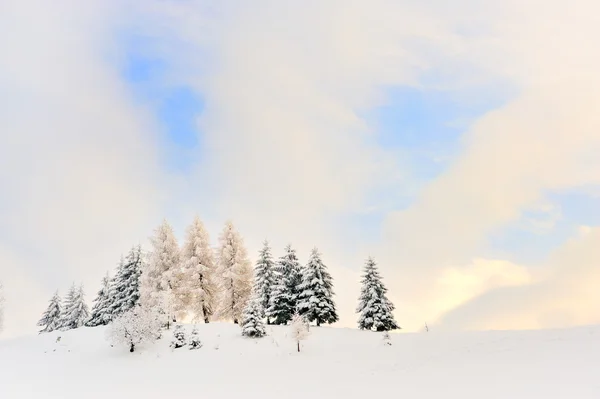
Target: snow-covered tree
[[299, 329], [252, 323], [374, 307], [315, 301], [101, 311], [137, 326], [235, 274], [178, 337], [157, 275], [387, 340], [51, 319], [124, 292], [264, 277], [195, 288], [195, 342], [286, 288], [75, 311]]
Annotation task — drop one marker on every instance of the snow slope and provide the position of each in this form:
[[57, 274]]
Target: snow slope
[[334, 363]]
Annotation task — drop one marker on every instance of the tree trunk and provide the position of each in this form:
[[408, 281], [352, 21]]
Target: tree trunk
[[132, 347], [298, 346], [235, 321], [206, 320], [318, 323]]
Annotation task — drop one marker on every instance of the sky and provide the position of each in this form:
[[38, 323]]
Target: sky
[[456, 144]]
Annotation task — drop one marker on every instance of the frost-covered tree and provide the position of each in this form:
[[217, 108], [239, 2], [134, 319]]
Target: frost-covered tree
[[101, 311], [157, 275], [195, 287], [286, 288], [315, 301], [137, 326], [235, 274], [374, 307], [124, 292], [264, 277], [252, 323], [178, 337], [195, 342], [51, 319], [299, 329], [75, 311]]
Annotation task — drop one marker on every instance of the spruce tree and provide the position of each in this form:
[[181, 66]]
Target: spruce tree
[[179, 339], [252, 323], [374, 307], [315, 302], [195, 288], [264, 277], [286, 288], [194, 341], [157, 274], [101, 311], [51, 319], [125, 287], [235, 274], [75, 312]]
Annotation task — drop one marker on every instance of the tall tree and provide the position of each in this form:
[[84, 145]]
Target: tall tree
[[315, 301], [195, 287], [76, 311], [286, 288], [51, 319], [264, 277], [101, 311], [164, 259], [374, 307], [235, 273], [125, 287]]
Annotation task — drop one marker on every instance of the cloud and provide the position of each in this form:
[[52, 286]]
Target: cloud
[[78, 164], [564, 294]]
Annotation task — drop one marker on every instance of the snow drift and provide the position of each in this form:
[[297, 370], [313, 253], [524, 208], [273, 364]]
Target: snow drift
[[333, 363]]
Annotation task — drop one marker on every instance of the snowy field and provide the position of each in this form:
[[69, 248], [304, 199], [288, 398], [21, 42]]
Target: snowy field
[[334, 363]]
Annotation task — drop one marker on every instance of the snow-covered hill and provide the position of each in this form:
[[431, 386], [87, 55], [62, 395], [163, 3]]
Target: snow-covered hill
[[334, 363]]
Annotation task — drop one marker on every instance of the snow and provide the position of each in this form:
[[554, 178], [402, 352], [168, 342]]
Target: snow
[[334, 363]]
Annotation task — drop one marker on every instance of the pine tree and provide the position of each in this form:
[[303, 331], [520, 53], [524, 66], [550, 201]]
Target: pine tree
[[235, 272], [195, 342], [101, 312], [157, 274], [316, 292], [124, 292], [75, 312], [284, 295], [264, 277], [51, 319], [374, 307], [178, 337], [252, 323], [195, 288]]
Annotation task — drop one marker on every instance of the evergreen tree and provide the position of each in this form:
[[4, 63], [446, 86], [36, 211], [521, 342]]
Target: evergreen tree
[[125, 288], [157, 275], [286, 288], [195, 342], [264, 277], [101, 311], [374, 307], [51, 319], [315, 301], [235, 272], [76, 311], [178, 337], [252, 323], [195, 288]]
